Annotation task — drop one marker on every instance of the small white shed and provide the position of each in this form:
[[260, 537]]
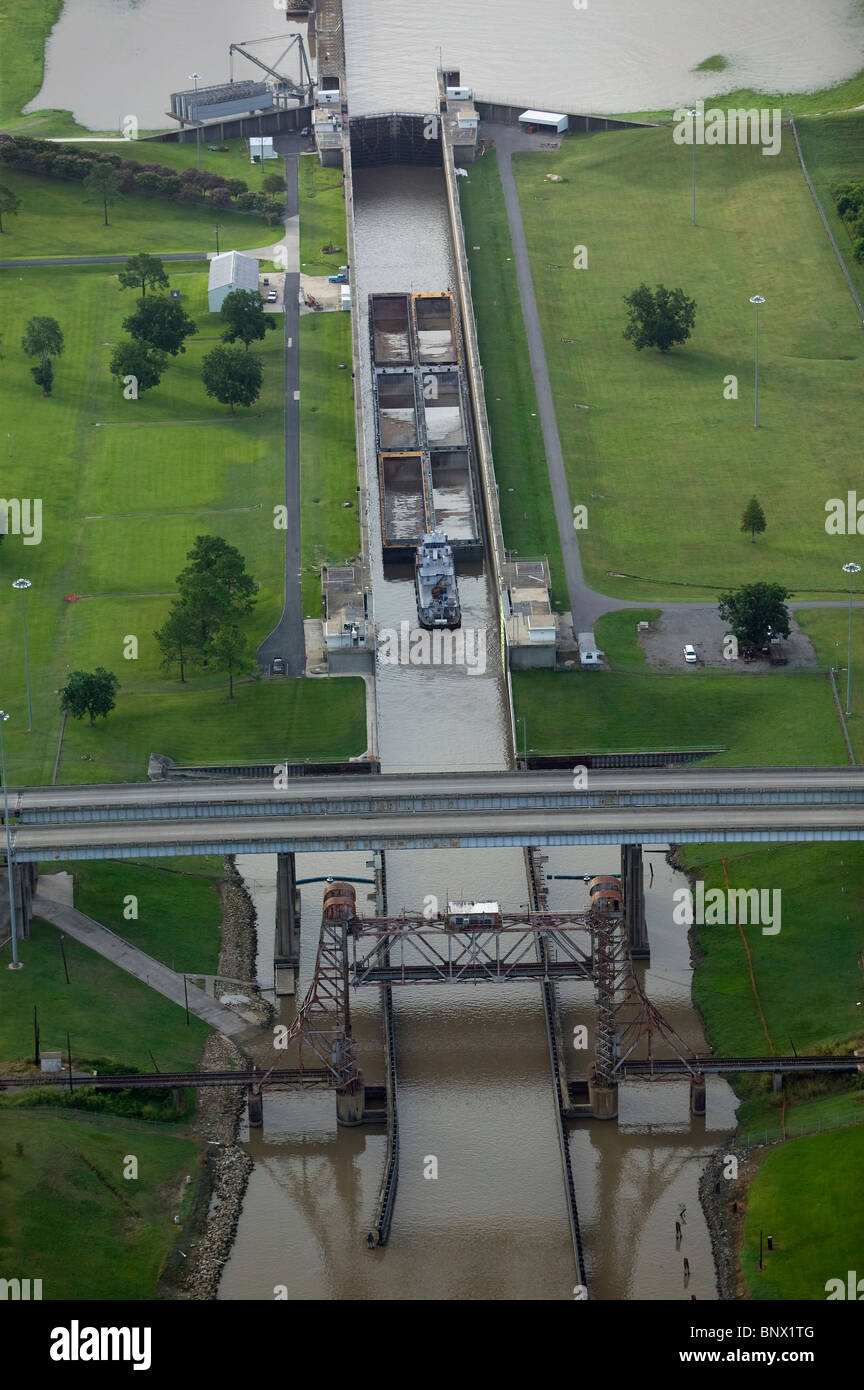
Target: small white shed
[[230, 271], [548, 119], [262, 146]]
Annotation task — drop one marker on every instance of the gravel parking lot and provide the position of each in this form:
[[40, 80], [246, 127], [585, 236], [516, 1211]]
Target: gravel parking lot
[[701, 626]]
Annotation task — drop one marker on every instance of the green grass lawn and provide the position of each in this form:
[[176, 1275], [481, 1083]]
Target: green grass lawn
[[71, 1219], [322, 216], [328, 456], [126, 487], [833, 150], [665, 464], [58, 218], [234, 162], [828, 630], [808, 975], [764, 720], [808, 1195], [178, 906], [106, 1012], [837, 98], [616, 637], [524, 494]]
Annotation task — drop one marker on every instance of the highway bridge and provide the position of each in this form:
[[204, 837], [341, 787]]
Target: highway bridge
[[437, 811]]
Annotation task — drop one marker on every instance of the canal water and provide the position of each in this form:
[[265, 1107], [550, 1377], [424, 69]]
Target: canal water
[[621, 55], [475, 1089]]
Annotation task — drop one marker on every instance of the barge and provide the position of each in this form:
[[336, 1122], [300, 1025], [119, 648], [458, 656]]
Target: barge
[[435, 583], [426, 461]]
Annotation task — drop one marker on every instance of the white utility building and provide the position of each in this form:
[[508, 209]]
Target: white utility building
[[230, 271]]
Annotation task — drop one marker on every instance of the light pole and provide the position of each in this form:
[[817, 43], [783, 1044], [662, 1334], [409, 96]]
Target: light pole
[[850, 569], [194, 77], [217, 229], [757, 299], [15, 964], [694, 113], [23, 585]]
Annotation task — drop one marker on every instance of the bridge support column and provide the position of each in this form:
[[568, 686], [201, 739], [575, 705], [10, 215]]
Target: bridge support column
[[777, 1080], [603, 1100], [287, 950], [351, 1101], [256, 1106], [697, 1094], [634, 901], [23, 886]]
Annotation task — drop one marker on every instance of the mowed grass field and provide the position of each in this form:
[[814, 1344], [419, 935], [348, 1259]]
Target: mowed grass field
[[783, 717], [665, 464], [322, 217], [57, 217], [524, 493], [328, 455], [807, 1194], [72, 1219], [126, 487]]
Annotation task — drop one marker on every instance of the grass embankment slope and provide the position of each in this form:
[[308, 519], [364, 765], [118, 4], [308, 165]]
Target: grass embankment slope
[[126, 487], [330, 532], [524, 494], [808, 982], [841, 97], [70, 1215], [662, 461], [72, 1219]]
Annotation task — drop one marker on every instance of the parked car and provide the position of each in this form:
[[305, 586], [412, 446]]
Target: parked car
[[272, 296], [277, 666], [690, 654], [340, 279]]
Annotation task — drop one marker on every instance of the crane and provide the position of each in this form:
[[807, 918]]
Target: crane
[[300, 89]]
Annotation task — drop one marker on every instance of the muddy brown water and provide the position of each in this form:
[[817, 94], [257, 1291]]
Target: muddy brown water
[[475, 1089], [622, 55]]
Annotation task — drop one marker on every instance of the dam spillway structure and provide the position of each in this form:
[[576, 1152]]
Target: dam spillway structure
[[427, 469]]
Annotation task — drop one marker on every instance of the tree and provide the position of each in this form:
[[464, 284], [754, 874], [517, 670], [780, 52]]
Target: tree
[[215, 588], [753, 519], [660, 318], [102, 182], [161, 323], [231, 653], [243, 312], [43, 375], [177, 638], [754, 609], [232, 375], [9, 203], [43, 338], [89, 692], [143, 270], [140, 362], [273, 183]]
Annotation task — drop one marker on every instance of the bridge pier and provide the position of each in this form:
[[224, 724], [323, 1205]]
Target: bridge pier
[[697, 1094], [23, 886], [777, 1080], [634, 901], [603, 1099], [351, 1101], [287, 953], [256, 1106]]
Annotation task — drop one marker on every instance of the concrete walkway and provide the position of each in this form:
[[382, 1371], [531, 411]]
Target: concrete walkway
[[48, 904]]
